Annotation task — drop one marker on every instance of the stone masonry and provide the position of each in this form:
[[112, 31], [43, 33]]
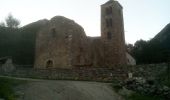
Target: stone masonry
[[62, 43]]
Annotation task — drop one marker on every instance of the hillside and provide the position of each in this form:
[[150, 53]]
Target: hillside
[[164, 34], [159, 46], [156, 50]]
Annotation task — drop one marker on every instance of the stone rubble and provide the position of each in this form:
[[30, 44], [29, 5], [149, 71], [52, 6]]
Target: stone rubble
[[147, 87]]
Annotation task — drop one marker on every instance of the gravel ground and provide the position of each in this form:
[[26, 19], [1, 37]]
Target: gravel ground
[[65, 90]]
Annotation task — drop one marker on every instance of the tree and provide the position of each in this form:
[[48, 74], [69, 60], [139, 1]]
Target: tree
[[2, 24], [129, 47], [12, 22], [139, 51]]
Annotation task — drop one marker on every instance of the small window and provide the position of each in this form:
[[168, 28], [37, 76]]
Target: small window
[[110, 22], [66, 35], [109, 35], [53, 32], [108, 10], [107, 23]]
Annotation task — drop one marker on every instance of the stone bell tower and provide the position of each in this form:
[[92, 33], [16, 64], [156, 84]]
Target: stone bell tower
[[112, 33]]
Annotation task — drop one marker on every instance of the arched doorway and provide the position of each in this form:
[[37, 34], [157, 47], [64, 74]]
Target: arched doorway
[[49, 64]]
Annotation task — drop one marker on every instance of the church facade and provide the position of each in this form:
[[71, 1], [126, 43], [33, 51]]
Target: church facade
[[62, 43]]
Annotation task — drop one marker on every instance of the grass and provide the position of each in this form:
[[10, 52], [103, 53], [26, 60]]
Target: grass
[[164, 78], [6, 88], [134, 95], [116, 87], [137, 96]]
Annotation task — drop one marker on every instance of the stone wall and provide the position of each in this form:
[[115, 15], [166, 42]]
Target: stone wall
[[151, 71], [92, 74]]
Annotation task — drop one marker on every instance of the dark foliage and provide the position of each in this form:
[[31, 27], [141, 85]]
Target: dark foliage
[[20, 43], [156, 50], [6, 88], [12, 22]]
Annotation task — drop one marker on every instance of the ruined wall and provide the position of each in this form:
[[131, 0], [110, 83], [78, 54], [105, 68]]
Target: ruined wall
[[82, 73], [151, 71], [96, 49], [61, 44]]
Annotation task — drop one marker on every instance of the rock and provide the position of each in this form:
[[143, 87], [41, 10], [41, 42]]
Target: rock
[[125, 92], [165, 88], [8, 66], [148, 87]]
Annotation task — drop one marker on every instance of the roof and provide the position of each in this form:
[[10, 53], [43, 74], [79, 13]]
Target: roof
[[112, 2]]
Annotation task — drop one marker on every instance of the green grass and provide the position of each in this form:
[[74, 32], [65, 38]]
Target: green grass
[[137, 96], [164, 79], [6, 88], [116, 87], [134, 95]]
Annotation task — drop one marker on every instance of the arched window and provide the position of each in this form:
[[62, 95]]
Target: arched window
[[110, 22], [53, 32], [108, 10], [107, 23], [49, 64]]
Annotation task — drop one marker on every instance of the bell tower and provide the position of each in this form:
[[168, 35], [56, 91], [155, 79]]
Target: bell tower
[[112, 33]]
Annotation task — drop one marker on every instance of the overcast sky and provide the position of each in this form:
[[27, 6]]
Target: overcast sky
[[143, 19]]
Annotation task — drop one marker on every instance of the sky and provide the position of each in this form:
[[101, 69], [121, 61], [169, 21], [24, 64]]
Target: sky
[[143, 19]]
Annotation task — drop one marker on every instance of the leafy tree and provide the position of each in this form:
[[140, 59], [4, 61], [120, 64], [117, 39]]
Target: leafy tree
[[12, 22], [19, 43], [156, 50], [2, 24], [129, 47], [139, 51]]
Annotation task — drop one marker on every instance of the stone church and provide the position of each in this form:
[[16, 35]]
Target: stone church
[[62, 43]]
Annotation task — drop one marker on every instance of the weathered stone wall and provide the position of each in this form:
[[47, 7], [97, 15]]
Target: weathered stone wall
[[63, 42], [96, 48], [89, 73], [92, 74], [112, 33]]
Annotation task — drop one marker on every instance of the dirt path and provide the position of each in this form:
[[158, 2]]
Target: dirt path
[[66, 90]]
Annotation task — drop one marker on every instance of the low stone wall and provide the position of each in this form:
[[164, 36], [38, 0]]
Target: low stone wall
[[93, 74]]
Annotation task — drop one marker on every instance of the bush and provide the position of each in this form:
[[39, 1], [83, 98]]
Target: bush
[[6, 88], [137, 96]]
